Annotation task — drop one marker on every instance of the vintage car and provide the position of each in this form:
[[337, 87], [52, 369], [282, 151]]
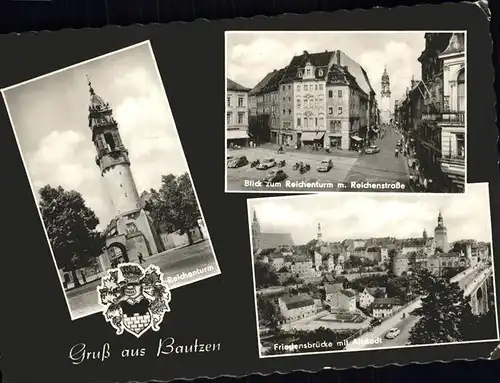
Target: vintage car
[[325, 165], [372, 149], [267, 164], [275, 176], [392, 333], [237, 162]]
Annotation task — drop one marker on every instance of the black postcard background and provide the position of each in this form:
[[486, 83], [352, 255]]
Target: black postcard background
[[37, 332]]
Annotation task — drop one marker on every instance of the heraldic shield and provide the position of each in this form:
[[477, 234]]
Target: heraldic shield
[[135, 299]]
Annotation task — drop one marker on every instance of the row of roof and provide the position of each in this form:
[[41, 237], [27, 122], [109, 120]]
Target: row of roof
[[304, 300], [333, 73]]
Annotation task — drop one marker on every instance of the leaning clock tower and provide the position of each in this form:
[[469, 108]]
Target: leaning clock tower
[[112, 156], [132, 231]]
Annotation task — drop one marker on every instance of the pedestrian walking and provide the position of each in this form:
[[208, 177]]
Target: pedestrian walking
[[141, 258]]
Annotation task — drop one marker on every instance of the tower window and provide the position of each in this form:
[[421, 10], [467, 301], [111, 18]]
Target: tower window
[[121, 184], [125, 194], [110, 141]]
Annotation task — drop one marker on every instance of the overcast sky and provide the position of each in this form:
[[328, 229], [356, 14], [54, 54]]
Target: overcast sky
[[363, 215], [250, 56], [50, 118]]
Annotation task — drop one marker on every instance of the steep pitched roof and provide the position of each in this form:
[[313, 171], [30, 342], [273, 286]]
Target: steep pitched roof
[[338, 75], [274, 240], [231, 85], [257, 88], [348, 293], [318, 60], [376, 292], [414, 242], [272, 85], [297, 301], [333, 288], [366, 78], [302, 258], [456, 44], [384, 303]]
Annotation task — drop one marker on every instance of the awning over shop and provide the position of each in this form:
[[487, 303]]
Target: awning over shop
[[319, 136], [356, 138], [308, 136], [236, 134]]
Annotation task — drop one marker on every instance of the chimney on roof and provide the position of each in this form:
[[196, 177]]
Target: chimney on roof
[[338, 57], [306, 53]]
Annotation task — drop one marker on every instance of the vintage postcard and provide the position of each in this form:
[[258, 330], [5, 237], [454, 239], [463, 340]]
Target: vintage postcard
[[109, 175], [352, 272], [346, 111], [172, 266]]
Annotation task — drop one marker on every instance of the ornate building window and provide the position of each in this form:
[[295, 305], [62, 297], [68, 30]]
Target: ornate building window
[[461, 91]]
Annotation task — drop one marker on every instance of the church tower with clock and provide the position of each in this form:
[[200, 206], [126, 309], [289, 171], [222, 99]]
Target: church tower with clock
[[132, 232], [385, 99]]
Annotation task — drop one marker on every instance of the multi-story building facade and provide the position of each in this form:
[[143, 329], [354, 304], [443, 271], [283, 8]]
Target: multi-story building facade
[[258, 123], [292, 104], [302, 98], [270, 93], [428, 138], [359, 73], [343, 300], [347, 110], [296, 307], [236, 114], [384, 307], [452, 121]]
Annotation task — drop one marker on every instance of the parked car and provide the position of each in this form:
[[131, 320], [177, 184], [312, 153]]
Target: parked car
[[229, 159], [325, 165], [267, 164], [392, 333], [275, 176], [372, 149], [237, 162]]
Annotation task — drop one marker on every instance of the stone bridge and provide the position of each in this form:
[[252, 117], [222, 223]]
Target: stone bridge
[[475, 282]]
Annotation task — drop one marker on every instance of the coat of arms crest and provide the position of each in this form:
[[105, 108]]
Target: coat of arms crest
[[136, 299]]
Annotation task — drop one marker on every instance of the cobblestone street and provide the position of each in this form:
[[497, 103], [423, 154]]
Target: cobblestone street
[[348, 166]]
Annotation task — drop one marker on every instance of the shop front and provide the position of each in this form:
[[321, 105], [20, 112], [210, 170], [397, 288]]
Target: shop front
[[356, 142], [335, 142], [313, 138], [237, 138]]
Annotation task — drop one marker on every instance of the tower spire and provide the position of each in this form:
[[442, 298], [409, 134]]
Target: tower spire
[[320, 234]]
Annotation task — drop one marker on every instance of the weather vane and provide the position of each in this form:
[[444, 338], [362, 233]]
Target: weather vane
[[90, 84]]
